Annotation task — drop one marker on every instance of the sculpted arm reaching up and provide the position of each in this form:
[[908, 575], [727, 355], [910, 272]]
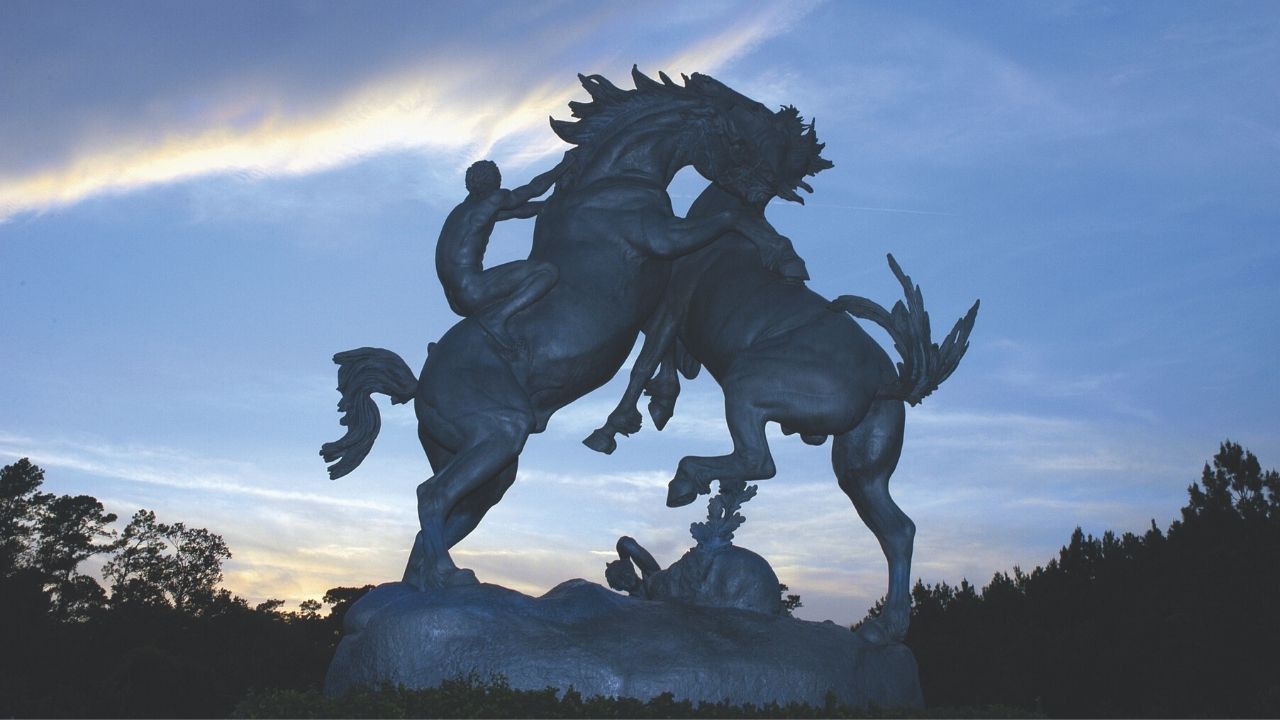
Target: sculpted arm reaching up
[[492, 295], [519, 203]]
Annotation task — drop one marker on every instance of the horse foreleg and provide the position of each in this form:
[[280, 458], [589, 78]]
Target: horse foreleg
[[750, 459], [668, 236], [451, 503], [864, 458], [625, 418]]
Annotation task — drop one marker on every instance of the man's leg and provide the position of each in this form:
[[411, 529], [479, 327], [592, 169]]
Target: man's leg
[[524, 282]]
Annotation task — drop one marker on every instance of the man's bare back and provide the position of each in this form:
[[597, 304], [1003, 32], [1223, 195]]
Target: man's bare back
[[492, 296]]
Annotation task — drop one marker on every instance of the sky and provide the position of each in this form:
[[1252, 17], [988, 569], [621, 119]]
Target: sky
[[201, 202]]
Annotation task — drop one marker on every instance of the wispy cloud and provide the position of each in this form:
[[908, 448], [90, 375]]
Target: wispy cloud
[[170, 469], [1030, 442], [712, 53], [426, 111], [865, 208], [457, 107], [287, 544]]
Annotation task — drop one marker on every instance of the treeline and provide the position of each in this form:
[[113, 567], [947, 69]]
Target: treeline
[[1184, 622], [166, 641], [1180, 622]]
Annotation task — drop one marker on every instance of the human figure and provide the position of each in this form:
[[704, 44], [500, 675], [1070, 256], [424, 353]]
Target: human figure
[[727, 576], [492, 296]]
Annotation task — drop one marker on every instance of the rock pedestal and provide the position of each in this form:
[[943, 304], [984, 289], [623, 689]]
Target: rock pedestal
[[585, 636]]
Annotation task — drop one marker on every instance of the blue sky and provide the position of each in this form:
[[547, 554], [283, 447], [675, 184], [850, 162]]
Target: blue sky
[[203, 202]]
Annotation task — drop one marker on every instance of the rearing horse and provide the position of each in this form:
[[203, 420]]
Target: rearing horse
[[782, 353], [610, 231]]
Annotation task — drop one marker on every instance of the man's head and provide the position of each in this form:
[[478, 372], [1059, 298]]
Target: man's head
[[483, 177]]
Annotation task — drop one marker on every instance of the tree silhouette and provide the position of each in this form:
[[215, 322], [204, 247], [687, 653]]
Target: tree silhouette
[[43, 540], [159, 564], [1174, 624], [20, 500], [1177, 623], [790, 601], [309, 609], [1234, 489], [68, 531]]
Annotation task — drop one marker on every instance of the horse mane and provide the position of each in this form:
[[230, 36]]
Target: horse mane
[[609, 102]]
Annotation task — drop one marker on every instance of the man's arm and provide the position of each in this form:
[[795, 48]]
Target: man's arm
[[526, 210], [776, 251], [537, 186]]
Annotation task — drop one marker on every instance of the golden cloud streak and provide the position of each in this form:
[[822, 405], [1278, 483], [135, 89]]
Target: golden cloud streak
[[393, 115], [415, 110]]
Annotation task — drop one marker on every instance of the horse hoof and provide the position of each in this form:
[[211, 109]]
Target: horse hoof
[[681, 491], [675, 500], [660, 412], [601, 442]]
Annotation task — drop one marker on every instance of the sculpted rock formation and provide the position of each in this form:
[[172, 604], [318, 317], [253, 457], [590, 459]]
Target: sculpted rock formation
[[598, 642]]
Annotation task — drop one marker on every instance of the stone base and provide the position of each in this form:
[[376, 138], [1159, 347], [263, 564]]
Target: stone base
[[599, 642]]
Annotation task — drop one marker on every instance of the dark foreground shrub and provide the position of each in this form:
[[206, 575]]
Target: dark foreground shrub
[[471, 697]]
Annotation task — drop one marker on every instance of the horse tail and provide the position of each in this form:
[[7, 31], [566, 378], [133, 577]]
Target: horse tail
[[924, 364], [361, 373]]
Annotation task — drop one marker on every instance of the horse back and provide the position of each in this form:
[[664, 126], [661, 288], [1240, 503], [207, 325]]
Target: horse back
[[573, 339], [739, 311]]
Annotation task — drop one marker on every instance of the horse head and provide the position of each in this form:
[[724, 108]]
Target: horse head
[[752, 152], [802, 157]]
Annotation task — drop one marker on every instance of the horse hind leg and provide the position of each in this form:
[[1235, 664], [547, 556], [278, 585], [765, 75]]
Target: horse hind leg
[[469, 511], [750, 459], [452, 502], [864, 458]]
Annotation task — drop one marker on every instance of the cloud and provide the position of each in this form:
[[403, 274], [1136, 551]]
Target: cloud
[[171, 469], [294, 545], [424, 113], [285, 543], [459, 100], [907, 87], [1030, 442], [712, 53]]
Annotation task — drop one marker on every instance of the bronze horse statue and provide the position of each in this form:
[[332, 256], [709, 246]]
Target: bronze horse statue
[[609, 230], [782, 353]]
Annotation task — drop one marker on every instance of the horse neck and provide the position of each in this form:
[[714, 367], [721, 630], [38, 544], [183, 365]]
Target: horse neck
[[711, 201], [643, 149]]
